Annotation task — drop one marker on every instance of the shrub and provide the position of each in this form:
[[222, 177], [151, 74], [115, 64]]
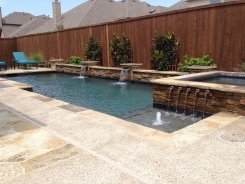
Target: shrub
[[75, 60], [242, 67], [38, 57], [120, 49], [60, 27], [190, 61], [164, 53], [92, 50]]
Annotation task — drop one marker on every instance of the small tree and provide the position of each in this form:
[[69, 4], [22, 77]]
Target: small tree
[[164, 53], [92, 50], [120, 49]]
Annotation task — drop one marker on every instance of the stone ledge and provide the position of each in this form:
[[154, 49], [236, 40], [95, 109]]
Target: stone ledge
[[174, 73]]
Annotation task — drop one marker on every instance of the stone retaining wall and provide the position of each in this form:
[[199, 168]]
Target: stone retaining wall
[[104, 72], [114, 72], [215, 102], [67, 68]]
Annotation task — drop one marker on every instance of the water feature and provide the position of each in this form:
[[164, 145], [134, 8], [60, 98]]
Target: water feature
[[82, 72], [122, 78], [195, 100], [169, 97], [205, 102], [186, 98], [158, 120], [123, 75], [177, 100], [170, 121]]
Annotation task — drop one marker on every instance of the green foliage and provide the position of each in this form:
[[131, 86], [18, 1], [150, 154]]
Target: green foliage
[[190, 61], [75, 60], [60, 27], [38, 57], [164, 54], [92, 50], [120, 49], [242, 67]]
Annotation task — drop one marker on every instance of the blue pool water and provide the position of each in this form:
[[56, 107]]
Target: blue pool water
[[98, 94], [130, 101], [237, 81]]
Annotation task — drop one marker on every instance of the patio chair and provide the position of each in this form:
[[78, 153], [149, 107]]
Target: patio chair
[[3, 65], [20, 59]]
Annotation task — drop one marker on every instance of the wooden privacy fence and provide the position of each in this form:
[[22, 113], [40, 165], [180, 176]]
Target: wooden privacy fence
[[217, 30]]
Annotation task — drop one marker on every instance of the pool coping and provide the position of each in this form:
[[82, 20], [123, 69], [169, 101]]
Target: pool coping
[[26, 71]]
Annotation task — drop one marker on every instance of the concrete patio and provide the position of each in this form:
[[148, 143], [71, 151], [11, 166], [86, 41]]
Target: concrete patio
[[43, 140]]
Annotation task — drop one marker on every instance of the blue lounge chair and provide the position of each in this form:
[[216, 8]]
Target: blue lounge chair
[[20, 59], [3, 65]]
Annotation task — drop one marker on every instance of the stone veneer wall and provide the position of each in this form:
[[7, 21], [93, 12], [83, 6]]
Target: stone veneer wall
[[105, 72], [114, 72], [148, 75], [67, 68], [216, 100]]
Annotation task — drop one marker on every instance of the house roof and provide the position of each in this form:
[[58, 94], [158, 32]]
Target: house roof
[[99, 11], [29, 26], [8, 29], [191, 3], [17, 18]]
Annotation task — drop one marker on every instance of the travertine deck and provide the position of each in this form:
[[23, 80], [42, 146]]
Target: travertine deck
[[43, 140], [25, 71]]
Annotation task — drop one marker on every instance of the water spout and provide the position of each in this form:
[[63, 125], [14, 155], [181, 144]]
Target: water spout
[[195, 100], [169, 96], [122, 78], [177, 100], [186, 98], [205, 102], [123, 75], [158, 120], [82, 72]]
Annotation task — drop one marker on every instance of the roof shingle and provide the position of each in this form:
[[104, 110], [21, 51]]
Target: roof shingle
[[100, 11]]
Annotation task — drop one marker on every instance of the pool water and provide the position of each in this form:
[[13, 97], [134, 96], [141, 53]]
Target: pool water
[[237, 81], [94, 93], [170, 121], [129, 101]]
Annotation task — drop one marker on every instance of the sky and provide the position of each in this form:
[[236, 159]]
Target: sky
[[44, 7]]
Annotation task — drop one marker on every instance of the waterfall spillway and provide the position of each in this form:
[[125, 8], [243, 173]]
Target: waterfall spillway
[[82, 71], [123, 75]]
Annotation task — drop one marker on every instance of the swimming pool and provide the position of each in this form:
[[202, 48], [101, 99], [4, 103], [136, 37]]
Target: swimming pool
[[94, 93], [129, 101], [227, 78]]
